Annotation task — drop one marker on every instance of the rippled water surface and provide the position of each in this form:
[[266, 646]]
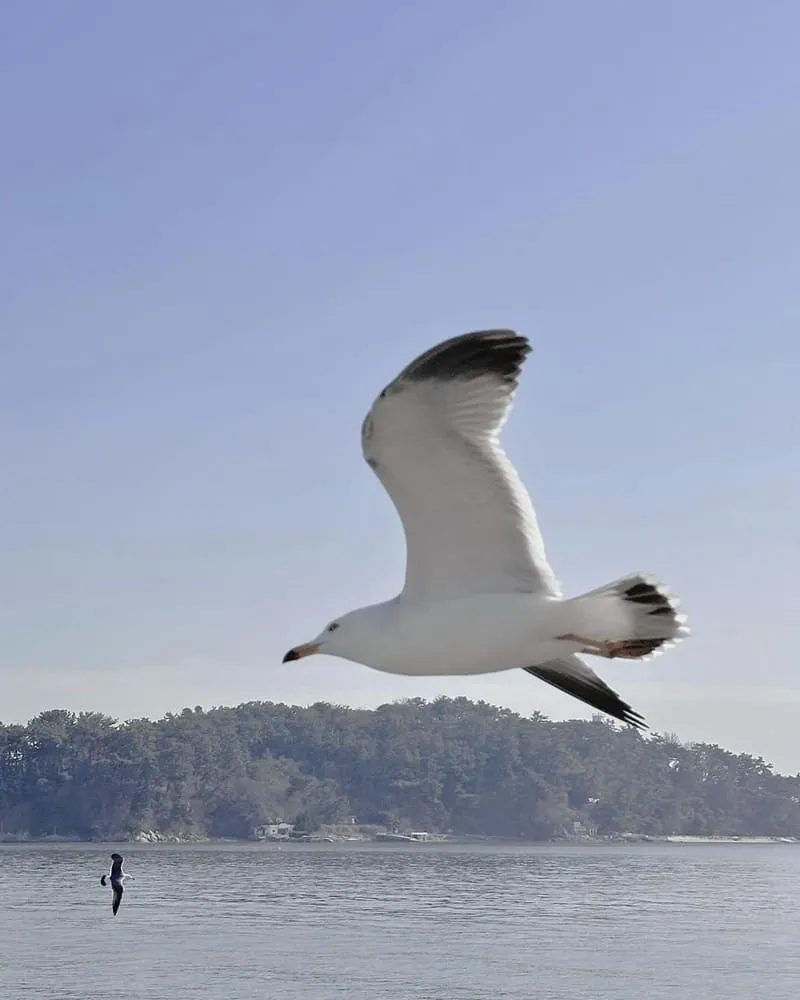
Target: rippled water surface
[[396, 922]]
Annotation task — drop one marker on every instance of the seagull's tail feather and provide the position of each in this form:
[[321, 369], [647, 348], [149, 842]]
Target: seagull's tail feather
[[633, 617]]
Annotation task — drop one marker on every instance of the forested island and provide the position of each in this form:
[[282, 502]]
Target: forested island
[[450, 765]]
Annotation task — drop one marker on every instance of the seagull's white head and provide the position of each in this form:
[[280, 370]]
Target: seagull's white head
[[347, 637]]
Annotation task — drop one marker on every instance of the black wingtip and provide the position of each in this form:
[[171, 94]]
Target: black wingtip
[[470, 355], [644, 592], [591, 692], [613, 705], [632, 718]]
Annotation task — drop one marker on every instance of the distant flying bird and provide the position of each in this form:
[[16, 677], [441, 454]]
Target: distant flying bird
[[115, 879], [479, 594]]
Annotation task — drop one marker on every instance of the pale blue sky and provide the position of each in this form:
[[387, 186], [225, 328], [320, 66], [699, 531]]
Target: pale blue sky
[[225, 227]]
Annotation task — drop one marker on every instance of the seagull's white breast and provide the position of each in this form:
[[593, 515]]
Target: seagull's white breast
[[484, 633]]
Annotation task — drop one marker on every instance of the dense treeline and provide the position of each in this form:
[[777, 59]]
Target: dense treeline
[[447, 765]]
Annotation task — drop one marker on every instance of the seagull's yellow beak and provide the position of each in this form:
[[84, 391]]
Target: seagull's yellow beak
[[307, 649]]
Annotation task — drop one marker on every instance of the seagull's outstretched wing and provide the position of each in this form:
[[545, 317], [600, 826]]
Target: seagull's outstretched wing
[[571, 675], [116, 898], [432, 438]]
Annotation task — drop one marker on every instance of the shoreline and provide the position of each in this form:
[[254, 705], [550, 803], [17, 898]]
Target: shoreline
[[455, 839]]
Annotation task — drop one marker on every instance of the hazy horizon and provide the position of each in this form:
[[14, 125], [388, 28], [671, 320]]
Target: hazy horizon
[[579, 712]]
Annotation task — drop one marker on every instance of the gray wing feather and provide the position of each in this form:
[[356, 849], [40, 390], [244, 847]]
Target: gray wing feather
[[432, 439]]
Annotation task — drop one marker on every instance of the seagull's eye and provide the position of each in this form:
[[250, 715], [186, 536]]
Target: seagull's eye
[[332, 627]]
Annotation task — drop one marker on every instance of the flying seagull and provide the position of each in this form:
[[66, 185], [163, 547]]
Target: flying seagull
[[479, 594], [115, 879]]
